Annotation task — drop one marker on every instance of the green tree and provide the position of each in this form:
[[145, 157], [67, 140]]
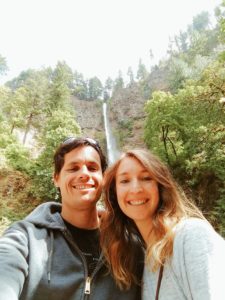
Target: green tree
[[142, 72], [107, 91], [220, 14], [201, 22], [188, 131], [59, 126], [181, 41], [27, 104], [118, 82], [130, 74], [94, 88], [3, 65], [80, 86], [60, 88]]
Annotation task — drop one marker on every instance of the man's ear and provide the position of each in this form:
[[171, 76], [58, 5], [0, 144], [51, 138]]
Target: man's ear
[[55, 179]]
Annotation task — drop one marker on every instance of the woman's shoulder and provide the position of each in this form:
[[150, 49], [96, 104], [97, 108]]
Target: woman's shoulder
[[194, 231], [188, 224]]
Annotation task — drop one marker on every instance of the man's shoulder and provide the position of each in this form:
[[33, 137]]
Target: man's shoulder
[[44, 212], [46, 215]]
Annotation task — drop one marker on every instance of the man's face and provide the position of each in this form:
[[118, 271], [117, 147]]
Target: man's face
[[80, 179]]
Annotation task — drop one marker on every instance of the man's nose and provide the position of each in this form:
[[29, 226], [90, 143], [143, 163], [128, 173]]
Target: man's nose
[[84, 173]]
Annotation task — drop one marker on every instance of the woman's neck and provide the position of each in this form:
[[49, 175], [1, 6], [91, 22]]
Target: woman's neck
[[145, 229]]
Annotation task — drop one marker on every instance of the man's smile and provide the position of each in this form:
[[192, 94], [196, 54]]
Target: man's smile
[[83, 186]]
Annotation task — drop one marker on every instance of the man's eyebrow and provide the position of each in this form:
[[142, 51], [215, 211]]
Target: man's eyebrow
[[77, 162]]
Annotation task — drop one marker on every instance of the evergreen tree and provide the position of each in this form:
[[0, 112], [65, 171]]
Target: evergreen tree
[[107, 91], [130, 74], [142, 71], [118, 83], [3, 65], [94, 88]]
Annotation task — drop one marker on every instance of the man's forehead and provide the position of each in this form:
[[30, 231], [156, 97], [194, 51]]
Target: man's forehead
[[83, 153]]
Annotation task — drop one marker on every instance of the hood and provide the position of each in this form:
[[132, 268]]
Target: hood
[[47, 215]]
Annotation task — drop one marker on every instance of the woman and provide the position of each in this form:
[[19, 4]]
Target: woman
[[185, 257]]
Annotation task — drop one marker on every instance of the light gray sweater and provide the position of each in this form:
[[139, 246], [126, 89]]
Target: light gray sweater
[[196, 269]]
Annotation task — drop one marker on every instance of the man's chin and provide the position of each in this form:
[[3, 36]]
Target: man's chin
[[89, 198]]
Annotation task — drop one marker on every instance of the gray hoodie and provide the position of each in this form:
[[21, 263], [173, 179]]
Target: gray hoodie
[[39, 260]]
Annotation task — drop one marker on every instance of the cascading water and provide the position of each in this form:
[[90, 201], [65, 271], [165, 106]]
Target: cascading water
[[112, 151]]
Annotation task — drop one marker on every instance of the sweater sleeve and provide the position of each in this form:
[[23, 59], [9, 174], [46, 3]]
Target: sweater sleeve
[[13, 263], [199, 260]]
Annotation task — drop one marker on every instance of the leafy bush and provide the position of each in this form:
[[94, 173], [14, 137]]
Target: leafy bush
[[187, 130], [18, 157]]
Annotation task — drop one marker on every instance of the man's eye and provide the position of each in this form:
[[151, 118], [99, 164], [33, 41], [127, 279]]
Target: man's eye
[[92, 168], [74, 169]]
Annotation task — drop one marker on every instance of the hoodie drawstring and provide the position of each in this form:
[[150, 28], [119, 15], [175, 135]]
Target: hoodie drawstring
[[49, 266]]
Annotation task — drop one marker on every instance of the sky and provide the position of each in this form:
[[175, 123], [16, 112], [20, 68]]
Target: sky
[[94, 37]]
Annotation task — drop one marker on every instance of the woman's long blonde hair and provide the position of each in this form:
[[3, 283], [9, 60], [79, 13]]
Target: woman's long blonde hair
[[119, 233]]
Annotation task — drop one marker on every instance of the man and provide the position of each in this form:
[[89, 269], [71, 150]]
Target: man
[[54, 252]]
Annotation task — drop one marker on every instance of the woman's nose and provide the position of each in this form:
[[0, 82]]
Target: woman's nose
[[135, 186]]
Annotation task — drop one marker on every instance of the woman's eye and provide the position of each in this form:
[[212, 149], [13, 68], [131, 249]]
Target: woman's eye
[[124, 181], [146, 178]]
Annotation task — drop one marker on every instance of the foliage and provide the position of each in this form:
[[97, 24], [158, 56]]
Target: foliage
[[94, 88], [18, 157], [90, 89], [107, 91], [59, 89], [118, 83], [142, 72], [130, 74], [191, 51], [220, 14], [37, 100], [124, 131], [61, 125], [16, 200], [3, 65], [80, 89], [188, 131]]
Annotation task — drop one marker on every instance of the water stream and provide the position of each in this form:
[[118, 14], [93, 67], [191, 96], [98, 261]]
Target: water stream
[[112, 150]]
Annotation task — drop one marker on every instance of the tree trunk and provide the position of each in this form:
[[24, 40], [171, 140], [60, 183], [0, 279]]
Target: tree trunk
[[165, 133], [27, 128]]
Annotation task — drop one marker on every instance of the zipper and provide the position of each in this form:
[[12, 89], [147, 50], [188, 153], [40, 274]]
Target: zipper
[[87, 289]]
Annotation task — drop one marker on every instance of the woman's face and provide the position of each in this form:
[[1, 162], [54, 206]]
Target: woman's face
[[137, 192]]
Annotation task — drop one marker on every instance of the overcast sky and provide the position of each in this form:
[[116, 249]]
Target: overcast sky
[[94, 37]]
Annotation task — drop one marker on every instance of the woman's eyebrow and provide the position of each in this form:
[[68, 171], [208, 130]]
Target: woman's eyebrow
[[122, 174]]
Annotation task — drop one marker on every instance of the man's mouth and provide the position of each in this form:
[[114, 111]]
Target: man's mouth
[[137, 202], [83, 186]]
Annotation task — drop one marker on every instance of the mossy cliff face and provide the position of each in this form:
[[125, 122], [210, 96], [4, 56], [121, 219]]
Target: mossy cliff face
[[90, 119], [89, 115], [126, 114]]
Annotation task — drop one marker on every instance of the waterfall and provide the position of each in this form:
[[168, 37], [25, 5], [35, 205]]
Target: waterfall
[[112, 150]]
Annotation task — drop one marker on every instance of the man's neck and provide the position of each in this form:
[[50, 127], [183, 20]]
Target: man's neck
[[86, 219]]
